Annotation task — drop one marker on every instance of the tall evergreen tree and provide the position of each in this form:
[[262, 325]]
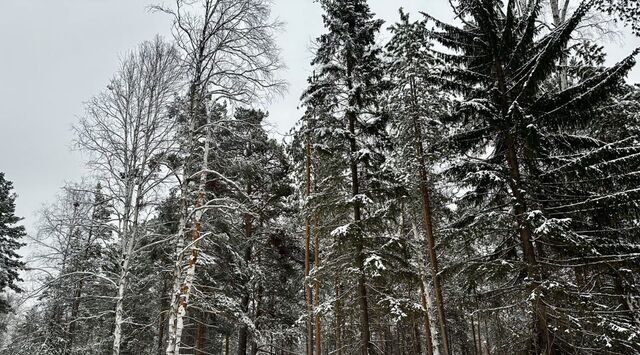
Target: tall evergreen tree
[[351, 131], [416, 106], [532, 155], [10, 235]]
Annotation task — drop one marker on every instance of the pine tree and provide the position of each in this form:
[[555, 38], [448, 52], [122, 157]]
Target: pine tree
[[10, 235]]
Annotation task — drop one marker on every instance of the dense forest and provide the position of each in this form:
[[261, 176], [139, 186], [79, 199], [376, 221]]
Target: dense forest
[[470, 187]]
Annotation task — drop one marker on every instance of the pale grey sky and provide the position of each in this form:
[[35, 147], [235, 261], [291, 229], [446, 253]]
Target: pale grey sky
[[57, 54]]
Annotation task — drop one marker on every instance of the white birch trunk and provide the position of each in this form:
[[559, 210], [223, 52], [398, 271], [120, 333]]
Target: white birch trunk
[[125, 253], [423, 277], [181, 302], [117, 332], [175, 294]]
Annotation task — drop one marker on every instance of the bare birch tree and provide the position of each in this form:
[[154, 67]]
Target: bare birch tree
[[127, 130]]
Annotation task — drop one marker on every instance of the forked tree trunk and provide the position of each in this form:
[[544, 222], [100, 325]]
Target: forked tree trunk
[[187, 283]]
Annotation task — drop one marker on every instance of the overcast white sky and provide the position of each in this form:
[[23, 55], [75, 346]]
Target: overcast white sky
[[57, 54]]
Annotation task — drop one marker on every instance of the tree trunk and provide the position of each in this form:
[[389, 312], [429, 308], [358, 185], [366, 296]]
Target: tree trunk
[[365, 334], [559, 16], [119, 316], [307, 247], [257, 314], [428, 226], [162, 320], [201, 335], [185, 288], [338, 325], [542, 342], [77, 294], [177, 272], [316, 294], [431, 331], [127, 250], [243, 333], [187, 284], [427, 321], [416, 337], [487, 345], [473, 333]]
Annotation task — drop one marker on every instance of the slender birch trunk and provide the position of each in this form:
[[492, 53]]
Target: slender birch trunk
[[175, 294], [119, 309], [117, 332], [559, 16], [126, 250], [185, 287]]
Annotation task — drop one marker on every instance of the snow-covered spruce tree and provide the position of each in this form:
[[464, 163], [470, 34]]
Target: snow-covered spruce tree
[[10, 235], [352, 183], [537, 175], [416, 105]]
